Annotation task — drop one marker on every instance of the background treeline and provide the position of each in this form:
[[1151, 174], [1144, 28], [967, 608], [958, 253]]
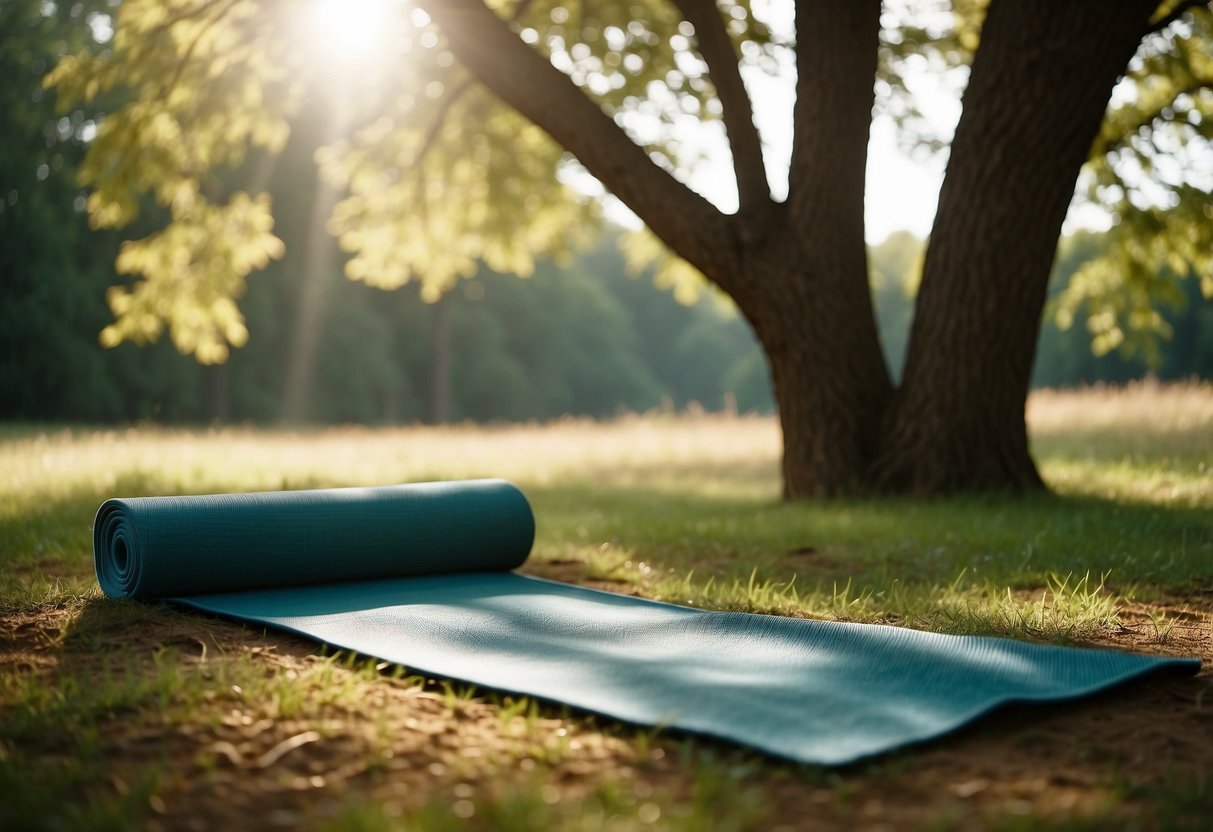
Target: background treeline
[[581, 338]]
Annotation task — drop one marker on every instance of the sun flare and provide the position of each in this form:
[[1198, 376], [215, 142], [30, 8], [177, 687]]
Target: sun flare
[[350, 30]]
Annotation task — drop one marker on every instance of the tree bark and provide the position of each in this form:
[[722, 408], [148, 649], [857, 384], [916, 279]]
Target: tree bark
[[1037, 93], [813, 310], [827, 370], [797, 271]]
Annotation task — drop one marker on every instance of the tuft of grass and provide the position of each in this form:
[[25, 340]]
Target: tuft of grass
[[1065, 609], [1162, 626]]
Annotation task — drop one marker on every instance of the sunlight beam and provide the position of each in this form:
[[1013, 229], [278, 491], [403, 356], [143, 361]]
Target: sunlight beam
[[349, 33]]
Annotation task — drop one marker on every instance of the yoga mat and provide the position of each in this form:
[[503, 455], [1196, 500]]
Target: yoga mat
[[419, 575]]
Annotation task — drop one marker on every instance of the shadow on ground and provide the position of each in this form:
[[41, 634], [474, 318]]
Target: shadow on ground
[[162, 718]]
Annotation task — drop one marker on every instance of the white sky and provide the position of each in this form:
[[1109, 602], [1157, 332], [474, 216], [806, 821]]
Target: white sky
[[901, 192]]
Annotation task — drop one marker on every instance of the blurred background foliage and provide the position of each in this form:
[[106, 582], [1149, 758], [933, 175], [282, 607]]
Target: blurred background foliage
[[583, 334]]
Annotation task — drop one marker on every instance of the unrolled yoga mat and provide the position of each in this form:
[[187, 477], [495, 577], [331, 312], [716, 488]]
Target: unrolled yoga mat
[[419, 575]]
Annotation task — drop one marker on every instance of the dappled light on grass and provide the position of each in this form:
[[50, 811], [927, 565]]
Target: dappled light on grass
[[1066, 609], [177, 709], [658, 451], [680, 494]]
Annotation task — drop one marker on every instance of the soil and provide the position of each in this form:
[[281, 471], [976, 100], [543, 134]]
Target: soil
[[1131, 758]]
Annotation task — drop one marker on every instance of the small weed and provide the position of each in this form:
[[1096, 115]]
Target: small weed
[[1162, 626], [456, 695]]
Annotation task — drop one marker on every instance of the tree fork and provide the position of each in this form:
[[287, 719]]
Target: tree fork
[[815, 317], [1037, 94], [831, 389]]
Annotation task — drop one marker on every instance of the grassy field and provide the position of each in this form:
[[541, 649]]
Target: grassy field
[[120, 715]]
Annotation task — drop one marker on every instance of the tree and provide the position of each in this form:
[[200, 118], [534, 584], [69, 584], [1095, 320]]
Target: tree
[[51, 282], [463, 167]]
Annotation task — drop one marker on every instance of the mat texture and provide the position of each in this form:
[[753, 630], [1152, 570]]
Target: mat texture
[[419, 575]]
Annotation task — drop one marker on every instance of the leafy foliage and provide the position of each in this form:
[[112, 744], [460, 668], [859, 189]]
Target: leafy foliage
[[1150, 174], [430, 204], [440, 177], [1152, 169], [201, 83], [193, 271]]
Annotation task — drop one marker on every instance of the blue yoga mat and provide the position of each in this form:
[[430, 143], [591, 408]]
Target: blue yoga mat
[[419, 575]]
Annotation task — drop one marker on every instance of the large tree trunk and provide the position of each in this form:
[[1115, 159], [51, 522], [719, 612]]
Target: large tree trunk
[[812, 309], [1039, 86], [798, 271], [817, 328]]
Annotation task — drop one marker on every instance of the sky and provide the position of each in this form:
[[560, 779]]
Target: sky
[[901, 192]]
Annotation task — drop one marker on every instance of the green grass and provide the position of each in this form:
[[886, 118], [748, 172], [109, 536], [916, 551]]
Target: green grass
[[720, 800], [111, 714]]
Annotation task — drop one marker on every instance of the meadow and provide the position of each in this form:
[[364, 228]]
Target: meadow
[[118, 715]]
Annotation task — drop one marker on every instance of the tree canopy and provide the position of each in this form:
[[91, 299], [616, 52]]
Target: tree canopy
[[483, 115], [441, 176]]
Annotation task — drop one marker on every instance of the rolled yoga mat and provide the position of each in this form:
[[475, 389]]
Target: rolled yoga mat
[[419, 575]]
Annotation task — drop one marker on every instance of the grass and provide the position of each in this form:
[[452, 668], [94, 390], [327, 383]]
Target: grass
[[117, 715], [1066, 609]]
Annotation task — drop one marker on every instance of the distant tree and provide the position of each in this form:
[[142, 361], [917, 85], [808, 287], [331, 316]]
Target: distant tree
[[52, 274], [1065, 358], [896, 265], [464, 167]]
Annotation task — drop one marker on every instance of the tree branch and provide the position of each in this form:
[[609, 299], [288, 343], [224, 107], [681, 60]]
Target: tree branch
[[521, 8], [528, 82], [1175, 14], [189, 51], [836, 53], [435, 128], [723, 66], [168, 23], [1151, 119]]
